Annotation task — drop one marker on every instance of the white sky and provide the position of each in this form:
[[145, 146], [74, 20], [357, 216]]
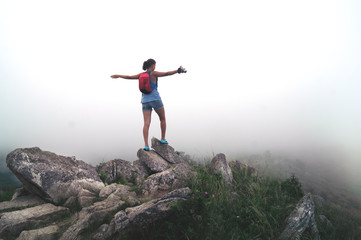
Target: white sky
[[278, 75]]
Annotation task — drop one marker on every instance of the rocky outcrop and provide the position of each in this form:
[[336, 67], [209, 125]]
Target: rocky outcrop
[[92, 216], [121, 170], [154, 162], [167, 180], [238, 166], [88, 209], [13, 223], [220, 166], [302, 218], [52, 177], [140, 216], [166, 151]]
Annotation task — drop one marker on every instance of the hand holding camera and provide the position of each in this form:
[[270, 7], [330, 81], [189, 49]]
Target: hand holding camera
[[182, 70]]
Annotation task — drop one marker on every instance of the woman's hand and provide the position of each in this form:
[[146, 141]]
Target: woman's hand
[[114, 76]]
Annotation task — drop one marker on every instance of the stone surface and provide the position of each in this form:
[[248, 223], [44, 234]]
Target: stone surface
[[119, 169], [166, 151], [86, 198], [141, 216], [167, 180], [220, 166], [92, 216], [153, 161], [13, 223], [118, 224], [52, 177], [122, 191], [46, 233], [301, 218], [238, 166], [24, 201]]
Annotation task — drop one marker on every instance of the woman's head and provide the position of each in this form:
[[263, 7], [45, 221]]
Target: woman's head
[[147, 64]]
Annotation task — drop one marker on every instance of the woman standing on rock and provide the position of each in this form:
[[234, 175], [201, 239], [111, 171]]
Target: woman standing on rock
[[152, 100]]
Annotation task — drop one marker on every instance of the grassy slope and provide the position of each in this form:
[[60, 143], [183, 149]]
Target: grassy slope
[[252, 209]]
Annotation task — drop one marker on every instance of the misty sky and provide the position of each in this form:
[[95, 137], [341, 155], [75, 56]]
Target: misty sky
[[262, 75]]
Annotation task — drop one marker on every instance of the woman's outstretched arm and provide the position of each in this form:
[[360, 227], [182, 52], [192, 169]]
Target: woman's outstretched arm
[[163, 74], [126, 76]]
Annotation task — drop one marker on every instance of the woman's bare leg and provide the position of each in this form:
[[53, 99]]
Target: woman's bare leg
[[147, 115], [163, 124]]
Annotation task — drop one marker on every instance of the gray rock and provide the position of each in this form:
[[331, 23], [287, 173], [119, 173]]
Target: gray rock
[[92, 216], [24, 201], [141, 216], [163, 182], [86, 198], [301, 218], [238, 166], [121, 191], [153, 161], [220, 166], [166, 151], [13, 223], [324, 219], [46, 233], [120, 169], [119, 223], [52, 177]]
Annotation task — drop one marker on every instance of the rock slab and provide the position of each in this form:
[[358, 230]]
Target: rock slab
[[120, 169], [13, 223], [154, 162], [220, 166], [52, 177], [301, 218], [166, 151]]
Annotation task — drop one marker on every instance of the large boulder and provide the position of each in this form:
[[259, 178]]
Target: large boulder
[[13, 223], [122, 170], [154, 162], [220, 166], [301, 218], [52, 177], [166, 151], [163, 182], [92, 216]]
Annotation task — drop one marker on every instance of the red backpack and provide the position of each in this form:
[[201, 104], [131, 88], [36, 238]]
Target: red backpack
[[144, 83]]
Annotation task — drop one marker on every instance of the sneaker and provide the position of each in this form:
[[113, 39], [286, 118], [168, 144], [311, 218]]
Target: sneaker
[[146, 148], [163, 141]]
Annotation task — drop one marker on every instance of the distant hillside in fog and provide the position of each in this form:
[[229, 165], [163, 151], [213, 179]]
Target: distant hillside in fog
[[7, 178]]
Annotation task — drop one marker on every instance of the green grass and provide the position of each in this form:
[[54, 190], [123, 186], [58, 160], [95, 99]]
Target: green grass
[[6, 193], [252, 208], [345, 225]]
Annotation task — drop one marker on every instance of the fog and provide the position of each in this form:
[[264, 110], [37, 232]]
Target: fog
[[274, 76]]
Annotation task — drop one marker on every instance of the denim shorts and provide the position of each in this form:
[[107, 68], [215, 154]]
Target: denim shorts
[[157, 104]]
